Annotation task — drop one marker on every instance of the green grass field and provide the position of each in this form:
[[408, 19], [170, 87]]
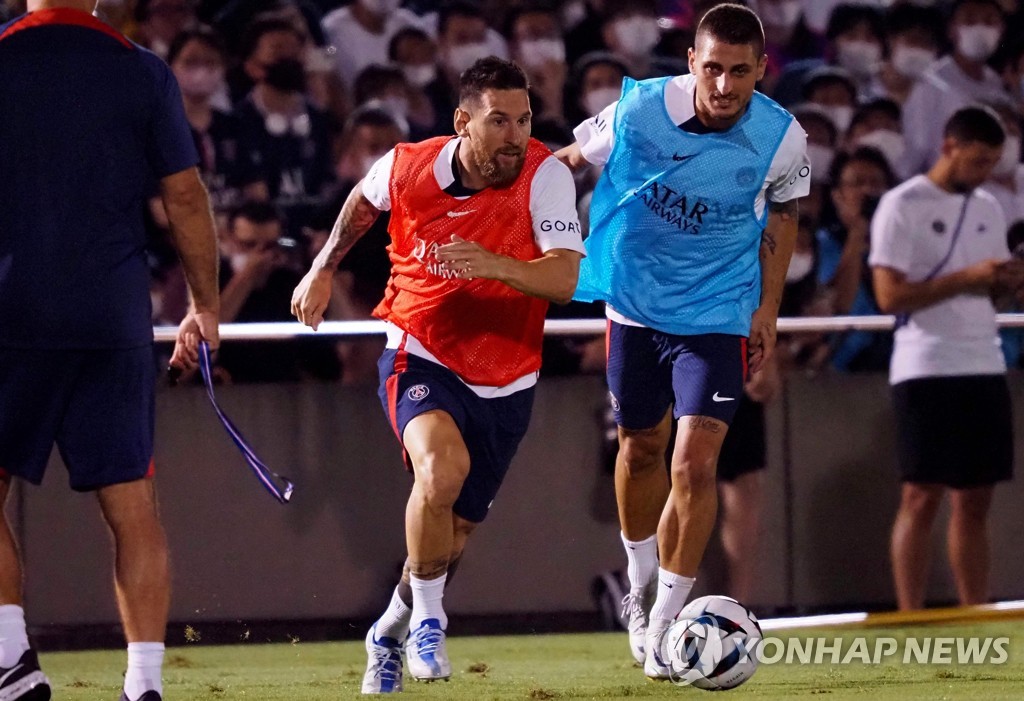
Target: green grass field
[[596, 666]]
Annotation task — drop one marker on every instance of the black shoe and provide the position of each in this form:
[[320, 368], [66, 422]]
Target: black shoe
[[148, 696], [24, 681]]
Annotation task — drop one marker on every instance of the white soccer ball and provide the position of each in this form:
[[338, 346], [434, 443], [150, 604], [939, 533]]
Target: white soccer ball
[[713, 644]]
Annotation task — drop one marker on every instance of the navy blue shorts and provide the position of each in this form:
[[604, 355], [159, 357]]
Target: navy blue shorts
[[96, 405], [491, 428], [649, 371]]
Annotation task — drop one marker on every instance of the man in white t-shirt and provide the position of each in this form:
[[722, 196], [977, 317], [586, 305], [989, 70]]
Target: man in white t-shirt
[[484, 234], [954, 81], [939, 258]]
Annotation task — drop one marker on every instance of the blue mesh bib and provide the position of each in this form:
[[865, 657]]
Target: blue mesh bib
[[674, 236]]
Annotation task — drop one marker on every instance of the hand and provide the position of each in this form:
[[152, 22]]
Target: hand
[[311, 297], [763, 386], [980, 278], [1009, 277], [195, 327], [761, 343], [469, 260]]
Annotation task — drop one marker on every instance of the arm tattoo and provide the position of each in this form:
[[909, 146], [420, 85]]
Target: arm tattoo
[[428, 570], [357, 216], [768, 240], [705, 423]]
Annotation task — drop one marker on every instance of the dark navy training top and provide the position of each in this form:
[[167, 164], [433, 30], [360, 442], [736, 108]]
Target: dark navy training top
[[87, 121]]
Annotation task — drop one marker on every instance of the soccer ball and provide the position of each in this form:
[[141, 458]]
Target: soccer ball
[[713, 644]]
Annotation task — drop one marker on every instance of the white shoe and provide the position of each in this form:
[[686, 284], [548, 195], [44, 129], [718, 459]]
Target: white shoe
[[656, 664], [426, 652], [383, 665], [636, 607]]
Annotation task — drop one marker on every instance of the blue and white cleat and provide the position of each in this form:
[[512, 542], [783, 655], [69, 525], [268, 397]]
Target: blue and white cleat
[[425, 649], [656, 664], [383, 665]]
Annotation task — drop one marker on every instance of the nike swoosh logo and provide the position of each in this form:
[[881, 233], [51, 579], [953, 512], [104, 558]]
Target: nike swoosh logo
[[11, 671], [453, 215], [723, 399], [677, 157]]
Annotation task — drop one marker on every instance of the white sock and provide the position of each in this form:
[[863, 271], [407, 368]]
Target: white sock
[[673, 589], [427, 596], [641, 561], [13, 638], [145, 661], [394, 623]]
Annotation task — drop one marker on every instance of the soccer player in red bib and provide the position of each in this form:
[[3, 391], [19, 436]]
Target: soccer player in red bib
[[484, 234]]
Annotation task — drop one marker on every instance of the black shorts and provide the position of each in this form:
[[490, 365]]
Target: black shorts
[[96, 405], [954, 431], [491, 428], [744, 448]]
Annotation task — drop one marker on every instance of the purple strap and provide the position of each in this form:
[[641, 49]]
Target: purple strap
[[263, 473]]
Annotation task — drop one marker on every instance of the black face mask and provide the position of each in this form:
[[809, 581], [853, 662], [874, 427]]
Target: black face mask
[[287, 75]]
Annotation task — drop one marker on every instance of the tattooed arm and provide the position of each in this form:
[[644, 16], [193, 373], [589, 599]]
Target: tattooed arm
[[777, 242], [310, 299]]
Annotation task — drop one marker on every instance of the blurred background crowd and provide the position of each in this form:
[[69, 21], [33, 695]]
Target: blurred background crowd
[[291, 101]]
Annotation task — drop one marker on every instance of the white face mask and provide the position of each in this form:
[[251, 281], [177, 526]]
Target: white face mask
[[636, 35], [892, 145], [800, 266], [1010, 160], [380, 7], [821, 161], [463, 56], [841, 116], [861, 58], [912, 61], [200, 82], [239, 261], [397, 105], [783, 14], [573, 13], [537, 52], [420, 75], [977, 41], [597, 100]]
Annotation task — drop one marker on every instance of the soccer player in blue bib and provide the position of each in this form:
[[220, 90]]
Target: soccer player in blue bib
[[693, 222], [90, 121]]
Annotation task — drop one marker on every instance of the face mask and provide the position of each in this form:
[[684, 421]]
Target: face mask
[[200, 82], [892, 145], [463, 56], [380, 7], [537, 52], [286, 75], [783, 14], [280, 125], [859, 57], [821, 161], [398, 105], [239, 261], [1010, 159], [911, 61], [637, 35], [977, 41], [800, 266], [841, 116], [421, 75], [597, 100]]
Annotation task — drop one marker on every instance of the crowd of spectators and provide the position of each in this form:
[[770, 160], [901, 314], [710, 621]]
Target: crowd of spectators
[[291, 101]]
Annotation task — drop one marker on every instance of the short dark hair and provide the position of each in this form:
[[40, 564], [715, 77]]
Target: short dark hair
[[861, 154], [403, 34], [880, 105], [201, 33], [975, 124], [457, 8], [255, 211], [530, 7], [957, 4], [733, 24], [900, 19], [373, 78], [848, 16], [491, 73], [824, 77], [259, 27]]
